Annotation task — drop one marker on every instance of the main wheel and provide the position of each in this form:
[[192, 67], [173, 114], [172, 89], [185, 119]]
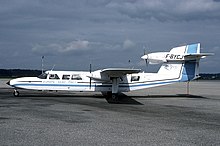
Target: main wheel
[[115, 97], [16, 93], [111, 97]]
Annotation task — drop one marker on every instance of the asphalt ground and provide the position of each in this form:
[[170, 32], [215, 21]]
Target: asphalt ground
[[157, 116]]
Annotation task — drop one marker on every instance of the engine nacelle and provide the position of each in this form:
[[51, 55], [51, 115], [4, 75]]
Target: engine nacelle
[[156, 58]]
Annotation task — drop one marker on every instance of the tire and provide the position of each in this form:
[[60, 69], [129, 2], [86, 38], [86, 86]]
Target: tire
[[112, 98], [16, 93]]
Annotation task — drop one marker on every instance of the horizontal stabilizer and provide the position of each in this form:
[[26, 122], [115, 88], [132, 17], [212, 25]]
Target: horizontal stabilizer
[[199, 55]]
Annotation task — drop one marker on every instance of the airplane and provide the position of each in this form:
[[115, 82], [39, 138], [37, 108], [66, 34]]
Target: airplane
[[181, 64]]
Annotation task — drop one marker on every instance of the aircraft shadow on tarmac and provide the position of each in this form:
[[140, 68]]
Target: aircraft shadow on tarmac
[[172, 96], [123, 99]]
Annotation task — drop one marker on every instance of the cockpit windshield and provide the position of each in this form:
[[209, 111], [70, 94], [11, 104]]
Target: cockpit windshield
[[43, 76]]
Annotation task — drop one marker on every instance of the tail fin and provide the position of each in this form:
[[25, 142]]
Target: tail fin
[[192, 57], [183, 62], [190, 69]]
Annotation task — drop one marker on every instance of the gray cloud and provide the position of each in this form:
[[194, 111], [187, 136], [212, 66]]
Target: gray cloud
[[71, 33], [128, 44], [169, 10], [79, 45]]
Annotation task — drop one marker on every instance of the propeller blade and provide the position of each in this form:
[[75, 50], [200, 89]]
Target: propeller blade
[[147, 62], [90, 80], [90, 83], [145, 57]]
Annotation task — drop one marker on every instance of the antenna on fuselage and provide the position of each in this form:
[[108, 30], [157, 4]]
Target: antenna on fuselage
[[42, 64], [129, 62], [53, 67]]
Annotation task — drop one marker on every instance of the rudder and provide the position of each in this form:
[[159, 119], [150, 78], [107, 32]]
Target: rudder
[[190, 69]]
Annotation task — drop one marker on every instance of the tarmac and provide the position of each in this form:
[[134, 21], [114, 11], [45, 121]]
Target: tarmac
[[158, 116]]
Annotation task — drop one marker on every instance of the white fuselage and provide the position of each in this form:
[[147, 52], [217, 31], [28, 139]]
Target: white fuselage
[[94, 81]]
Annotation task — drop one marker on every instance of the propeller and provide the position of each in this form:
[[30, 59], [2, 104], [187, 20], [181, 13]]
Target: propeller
[[145, 57], [90, 79]]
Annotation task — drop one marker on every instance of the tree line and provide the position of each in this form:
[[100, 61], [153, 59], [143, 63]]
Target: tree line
[[15, 73]]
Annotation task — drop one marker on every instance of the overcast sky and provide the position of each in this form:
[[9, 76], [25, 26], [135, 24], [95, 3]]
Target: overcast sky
[[71, 34]]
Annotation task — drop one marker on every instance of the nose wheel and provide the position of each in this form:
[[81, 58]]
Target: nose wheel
[[16, 93]]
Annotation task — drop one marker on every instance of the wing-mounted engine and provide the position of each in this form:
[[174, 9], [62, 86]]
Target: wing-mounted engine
[[97, 76], [155, 58]]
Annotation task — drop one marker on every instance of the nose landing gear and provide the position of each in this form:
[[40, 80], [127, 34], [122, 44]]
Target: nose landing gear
[[16, 93]]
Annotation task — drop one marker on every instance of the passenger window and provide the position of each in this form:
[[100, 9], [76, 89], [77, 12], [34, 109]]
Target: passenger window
[[53, 76], [76, 77], [66, 77], [135, 78]]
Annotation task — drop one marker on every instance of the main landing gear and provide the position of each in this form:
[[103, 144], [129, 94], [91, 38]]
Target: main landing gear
[[112, 97], [16, 93]]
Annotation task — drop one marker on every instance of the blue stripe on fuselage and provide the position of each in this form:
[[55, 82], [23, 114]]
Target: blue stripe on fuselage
[[98, 86], [62, 85]]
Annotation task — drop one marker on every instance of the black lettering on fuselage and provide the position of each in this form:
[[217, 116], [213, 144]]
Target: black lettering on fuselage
[[174, 57], [179, 57]]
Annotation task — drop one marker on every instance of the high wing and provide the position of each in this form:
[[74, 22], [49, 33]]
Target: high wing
[[118, 72], [106, 75]]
